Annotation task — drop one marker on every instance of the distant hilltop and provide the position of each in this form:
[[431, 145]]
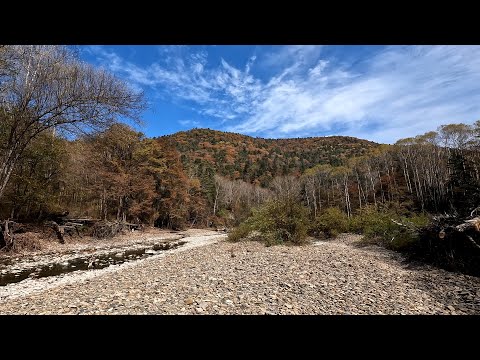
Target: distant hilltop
[[255, 159]]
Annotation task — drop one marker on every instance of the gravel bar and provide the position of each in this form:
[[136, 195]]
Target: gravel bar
[[209, 275]]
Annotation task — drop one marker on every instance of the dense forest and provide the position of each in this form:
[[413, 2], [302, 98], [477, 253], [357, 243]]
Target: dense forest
[[120, 174], [257, 160], [63, 149]]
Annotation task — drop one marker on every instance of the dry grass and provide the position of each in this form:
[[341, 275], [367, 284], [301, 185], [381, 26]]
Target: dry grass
[[29, 241]]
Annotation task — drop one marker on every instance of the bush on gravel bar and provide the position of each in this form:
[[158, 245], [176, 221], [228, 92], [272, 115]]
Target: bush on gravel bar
[[329, 223], [276, 222]]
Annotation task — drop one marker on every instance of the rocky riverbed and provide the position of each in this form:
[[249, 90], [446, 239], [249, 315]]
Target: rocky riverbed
[[208, 275], [51, 265]]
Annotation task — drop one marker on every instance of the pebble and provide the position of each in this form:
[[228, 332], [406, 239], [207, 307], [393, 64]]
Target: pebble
[[189, 301], [267, 281]]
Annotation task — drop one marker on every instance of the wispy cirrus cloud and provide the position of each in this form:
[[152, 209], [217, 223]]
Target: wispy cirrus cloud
[[401, 91], [223, 92]]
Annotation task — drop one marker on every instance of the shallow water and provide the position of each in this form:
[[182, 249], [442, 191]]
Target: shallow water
[[84, 262]]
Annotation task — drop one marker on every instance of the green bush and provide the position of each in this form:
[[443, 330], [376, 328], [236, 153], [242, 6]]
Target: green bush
[[239, 233], [377, 227], [330, 223], [276, 222], [370, 222]]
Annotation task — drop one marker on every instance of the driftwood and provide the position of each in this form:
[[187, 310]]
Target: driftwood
[[107, 229], [68, 228], [443, 230], [448, 228], [474, 211], [101, 229], [470, 239], [472, 224], [451, 242], [82, 221]]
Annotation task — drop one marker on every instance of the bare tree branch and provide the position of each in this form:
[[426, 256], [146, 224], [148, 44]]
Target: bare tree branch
[[48, 86]]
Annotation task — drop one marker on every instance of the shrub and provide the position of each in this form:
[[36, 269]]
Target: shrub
[[377, 227], [278, 221], [371, 223], [239, 233], [330, 223]]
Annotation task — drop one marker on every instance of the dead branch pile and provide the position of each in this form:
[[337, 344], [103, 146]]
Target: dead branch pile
[[17, 237], [107, 229], [452, 243]]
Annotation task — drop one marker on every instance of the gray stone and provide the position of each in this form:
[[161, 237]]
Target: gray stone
[[203, 305]]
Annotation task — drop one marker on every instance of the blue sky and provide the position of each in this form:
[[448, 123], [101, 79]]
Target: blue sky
[[379, 93]]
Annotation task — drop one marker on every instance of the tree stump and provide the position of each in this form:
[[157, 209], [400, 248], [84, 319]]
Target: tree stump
[[59, 231]]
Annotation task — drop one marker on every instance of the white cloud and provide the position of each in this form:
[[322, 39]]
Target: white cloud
[[402, 91], [250, 62], [292, 54], [189, 123], [405, 91]]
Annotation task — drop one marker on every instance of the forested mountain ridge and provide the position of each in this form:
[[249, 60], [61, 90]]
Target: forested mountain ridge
[[258, 160]]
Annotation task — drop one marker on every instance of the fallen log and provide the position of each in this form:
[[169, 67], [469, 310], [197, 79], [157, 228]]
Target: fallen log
[[69, 229], [68, 223], [466, 230], [83, 221], [449, 241], [472, 224]]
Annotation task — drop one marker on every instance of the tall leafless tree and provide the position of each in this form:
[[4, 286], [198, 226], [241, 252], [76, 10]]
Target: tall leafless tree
[[44, 87]]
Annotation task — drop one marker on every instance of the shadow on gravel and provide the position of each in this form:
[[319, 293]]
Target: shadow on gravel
[[458, 292]]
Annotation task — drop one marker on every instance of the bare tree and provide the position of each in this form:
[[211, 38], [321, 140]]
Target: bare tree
[[45, 87], [288, 187]]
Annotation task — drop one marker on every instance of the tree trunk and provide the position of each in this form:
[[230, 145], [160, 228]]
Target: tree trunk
[[105, 210], [215, 202], [6, 171], [119, 208], [59, 230], [7, 240]]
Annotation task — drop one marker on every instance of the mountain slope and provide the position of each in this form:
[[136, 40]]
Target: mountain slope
[[258, 160]]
